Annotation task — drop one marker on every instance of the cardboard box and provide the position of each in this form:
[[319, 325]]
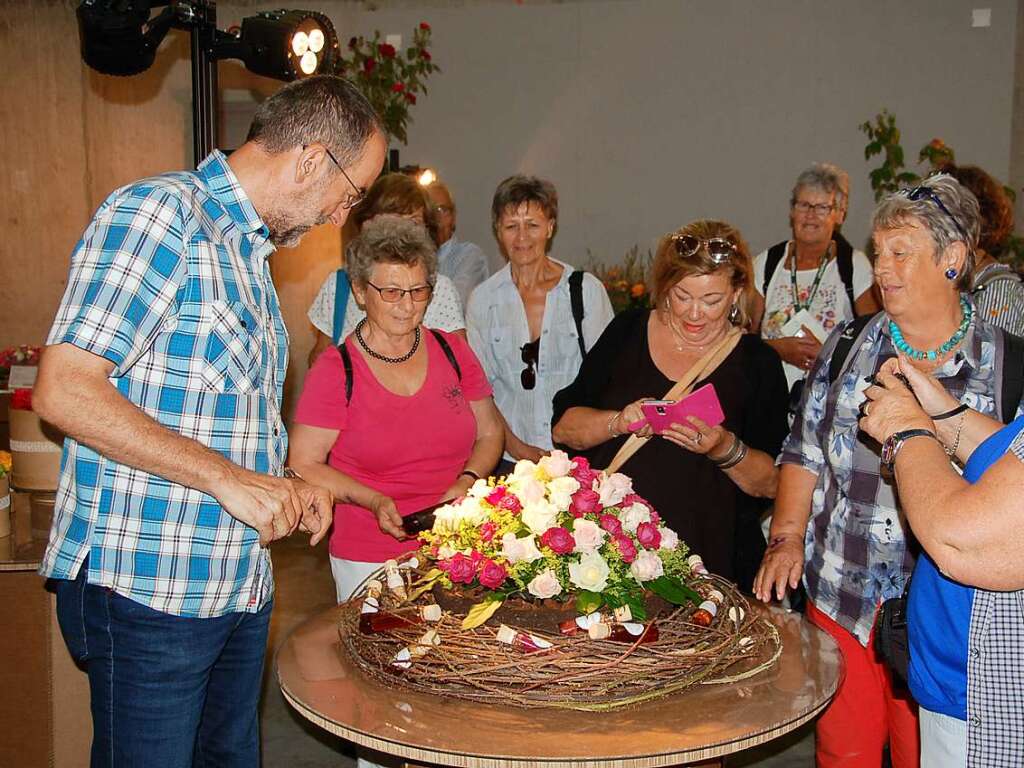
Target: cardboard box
[[35, 452]]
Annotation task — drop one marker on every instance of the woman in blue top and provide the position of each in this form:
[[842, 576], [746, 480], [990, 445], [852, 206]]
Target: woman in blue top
[[966, 608]]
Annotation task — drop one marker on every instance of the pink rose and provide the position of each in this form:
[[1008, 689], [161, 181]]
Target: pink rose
[[584, 475], [461, 569], [611, 524], [494, 497], [487, 531], [584, 501], [492, 575], [627, 549], [558, 540], [648, 535], [510, 503]]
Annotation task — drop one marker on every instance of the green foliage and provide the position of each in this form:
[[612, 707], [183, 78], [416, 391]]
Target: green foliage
[[675, 592]]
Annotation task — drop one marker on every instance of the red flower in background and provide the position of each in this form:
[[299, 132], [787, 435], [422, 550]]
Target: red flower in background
[[368, 65], [425, 54], [410, 97], [398, 87], [424, 26], [386, 50], [21, 400]]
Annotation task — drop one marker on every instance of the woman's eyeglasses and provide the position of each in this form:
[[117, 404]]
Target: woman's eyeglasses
[[530, 354], [719, 249], [818, 209], [419, 294], [927, 193]]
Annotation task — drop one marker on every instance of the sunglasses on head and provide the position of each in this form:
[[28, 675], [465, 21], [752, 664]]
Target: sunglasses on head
[[530, 353], [927, 193], [719, 250]]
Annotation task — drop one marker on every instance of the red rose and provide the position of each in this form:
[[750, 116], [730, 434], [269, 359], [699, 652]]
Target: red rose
[[21, 400], [425, 54], [611, 524], [398, 87], [510, 503], [424, 26], [627, 549], [368, 66], [583, 473], [461, 569], [558, 540], [585, 501], [386, 50], [492, 575], [648, 535], [410, 97], [494, 497], [487, 531]]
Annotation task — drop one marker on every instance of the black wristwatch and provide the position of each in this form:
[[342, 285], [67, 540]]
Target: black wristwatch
[[895, 441]]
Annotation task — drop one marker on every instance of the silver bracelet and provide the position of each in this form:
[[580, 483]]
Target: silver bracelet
[[740, 456], [612, 432], [730, 454]]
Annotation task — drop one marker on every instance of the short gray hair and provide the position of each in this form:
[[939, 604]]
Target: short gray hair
[[959, 222], [818, 176], [323, 108], [390, 240], [842, 185]]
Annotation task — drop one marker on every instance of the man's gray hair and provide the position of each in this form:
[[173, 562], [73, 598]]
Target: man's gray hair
[[821, 177], [323, 108], [390, 240], [960, 221]]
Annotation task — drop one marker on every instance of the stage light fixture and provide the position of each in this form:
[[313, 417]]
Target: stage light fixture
[[289, 44], [117, 37], [426, 177]]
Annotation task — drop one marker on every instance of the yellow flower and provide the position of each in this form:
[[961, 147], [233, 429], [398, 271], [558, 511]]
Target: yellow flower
[[5, 463], [638, 290]]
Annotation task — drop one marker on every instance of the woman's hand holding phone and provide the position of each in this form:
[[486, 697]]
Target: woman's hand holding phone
[[697, 436], [632, 419]]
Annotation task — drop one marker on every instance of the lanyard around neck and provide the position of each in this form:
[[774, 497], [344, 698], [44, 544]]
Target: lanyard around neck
[[797, 306]]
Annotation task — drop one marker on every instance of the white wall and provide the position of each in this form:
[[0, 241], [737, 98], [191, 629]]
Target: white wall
[[649, 113]]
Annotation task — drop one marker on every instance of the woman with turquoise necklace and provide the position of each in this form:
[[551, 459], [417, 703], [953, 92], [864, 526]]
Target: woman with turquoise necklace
[[838, 520]]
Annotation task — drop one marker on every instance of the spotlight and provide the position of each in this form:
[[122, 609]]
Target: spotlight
[[117, 37], [426, 177], [289, 44]]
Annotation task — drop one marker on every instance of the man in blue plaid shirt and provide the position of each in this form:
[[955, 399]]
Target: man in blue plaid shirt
[[165, 367]]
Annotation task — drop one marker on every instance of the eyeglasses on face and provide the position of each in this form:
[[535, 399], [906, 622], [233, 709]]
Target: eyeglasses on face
[[719, 249], [819, 209], [357, 195], [530, 353], [419, 294], [927, 193]]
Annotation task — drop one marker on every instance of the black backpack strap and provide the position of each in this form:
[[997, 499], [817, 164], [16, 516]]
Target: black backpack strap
[[447, 349], [576, 301], [1013, 375], [844, 260], [851, 334], [346, 362], [775, 254]]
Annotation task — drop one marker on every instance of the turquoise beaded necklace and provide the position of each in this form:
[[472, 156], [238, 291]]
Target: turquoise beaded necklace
[[933, 354]]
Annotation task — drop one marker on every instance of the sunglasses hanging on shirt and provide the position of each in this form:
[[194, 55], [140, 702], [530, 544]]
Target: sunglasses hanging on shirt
[[530, 354]]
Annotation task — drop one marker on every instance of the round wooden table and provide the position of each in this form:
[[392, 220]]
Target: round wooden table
[[702, 723]]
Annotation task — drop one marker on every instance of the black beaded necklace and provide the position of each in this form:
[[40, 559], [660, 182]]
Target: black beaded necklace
[[378, 355]]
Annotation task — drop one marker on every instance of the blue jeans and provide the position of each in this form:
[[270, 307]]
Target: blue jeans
[[167, 691]]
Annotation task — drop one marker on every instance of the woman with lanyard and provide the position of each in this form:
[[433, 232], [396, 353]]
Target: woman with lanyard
[[812, 283]]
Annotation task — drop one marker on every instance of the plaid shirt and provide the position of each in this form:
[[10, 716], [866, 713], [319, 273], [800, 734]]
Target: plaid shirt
[[995, 674], [855, 550], [171, 283]]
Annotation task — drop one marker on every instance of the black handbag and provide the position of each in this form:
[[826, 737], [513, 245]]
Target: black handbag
[[891, 641]]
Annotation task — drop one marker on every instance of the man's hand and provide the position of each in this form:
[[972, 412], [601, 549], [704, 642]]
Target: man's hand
[[268, 504], [317, 510], [782, 567]]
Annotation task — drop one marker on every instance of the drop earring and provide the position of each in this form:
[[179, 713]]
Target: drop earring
[[951, 274], [734, 314]]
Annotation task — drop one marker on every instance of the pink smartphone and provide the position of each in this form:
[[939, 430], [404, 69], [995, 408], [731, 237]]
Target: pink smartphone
[[702, 403]]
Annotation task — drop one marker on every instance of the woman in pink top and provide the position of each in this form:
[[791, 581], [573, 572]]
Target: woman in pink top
[[398, 417]]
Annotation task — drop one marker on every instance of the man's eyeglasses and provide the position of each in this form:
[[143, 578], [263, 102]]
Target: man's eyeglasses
[[719, 249], [358, 194], [530, 354], [927, 193], [419, 294], [819, 209]]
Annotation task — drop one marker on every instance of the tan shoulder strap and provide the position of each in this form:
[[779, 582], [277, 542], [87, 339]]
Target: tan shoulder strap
[[699, 370]]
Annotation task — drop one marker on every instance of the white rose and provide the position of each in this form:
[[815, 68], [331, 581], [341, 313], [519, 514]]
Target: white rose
[[560, 491], [524, 468], [544, 585], [555, 464], [669, 538], [470, 510], [614, 489], [446, 551], [590, 573], [479, 489], [588, 535], [517, 550], [633, 515], [446, 518], [529, 490], [647, 566], [539, 516]]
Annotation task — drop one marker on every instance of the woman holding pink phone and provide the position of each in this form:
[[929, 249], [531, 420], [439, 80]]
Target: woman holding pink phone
[[708, 481]]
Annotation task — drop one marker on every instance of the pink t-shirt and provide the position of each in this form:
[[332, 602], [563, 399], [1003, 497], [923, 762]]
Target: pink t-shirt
[[409, 448]]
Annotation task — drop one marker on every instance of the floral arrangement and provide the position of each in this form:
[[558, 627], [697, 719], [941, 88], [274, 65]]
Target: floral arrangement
[[24, 354], [5, 463], [557, 529], [626, 283], [390, 79]]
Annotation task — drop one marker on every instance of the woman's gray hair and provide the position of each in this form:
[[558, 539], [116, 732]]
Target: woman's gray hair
[[517, 190], [390, 240], [959, 222], [818, 176]]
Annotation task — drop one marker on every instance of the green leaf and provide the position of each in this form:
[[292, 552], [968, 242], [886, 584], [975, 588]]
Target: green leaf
[[588, 602], [674, 591], [481, 612], [636, 607]]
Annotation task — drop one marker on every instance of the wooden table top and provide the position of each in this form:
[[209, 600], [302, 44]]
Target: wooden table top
[[704, 722], [25, 557]]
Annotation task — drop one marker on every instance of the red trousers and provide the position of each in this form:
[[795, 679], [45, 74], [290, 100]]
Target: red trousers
[[866, 712]]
